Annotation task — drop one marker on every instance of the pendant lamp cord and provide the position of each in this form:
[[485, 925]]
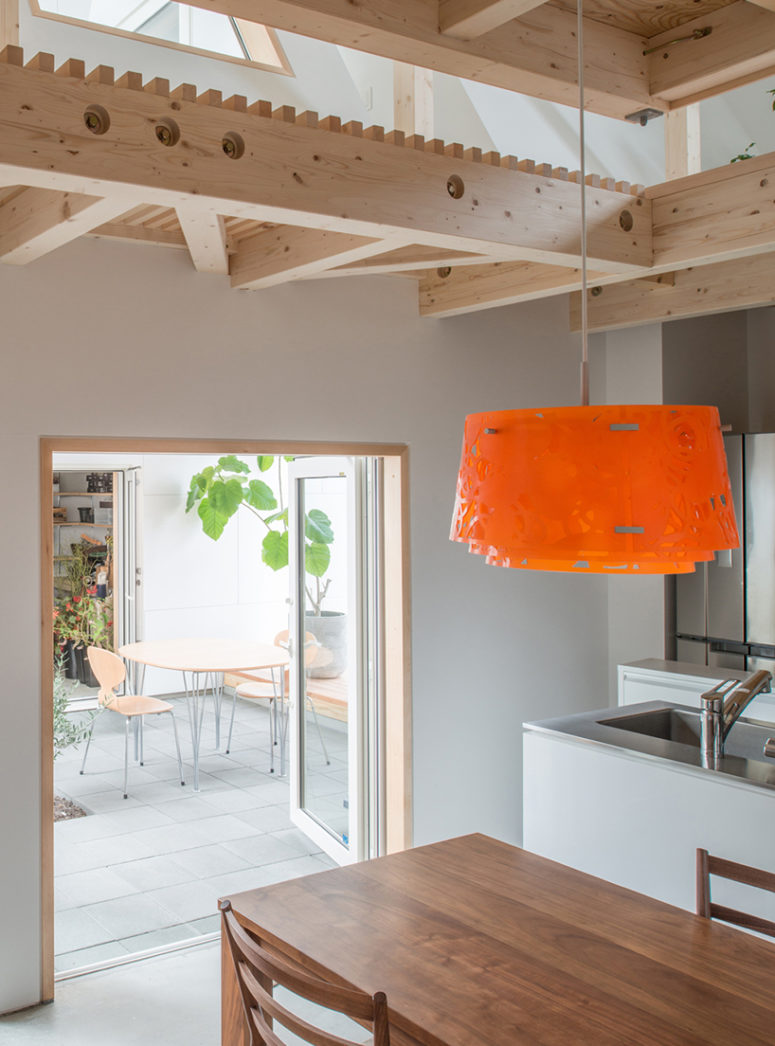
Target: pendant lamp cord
[[583, 181]]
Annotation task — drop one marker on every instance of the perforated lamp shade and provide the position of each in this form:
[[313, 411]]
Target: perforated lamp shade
[[602, 489]]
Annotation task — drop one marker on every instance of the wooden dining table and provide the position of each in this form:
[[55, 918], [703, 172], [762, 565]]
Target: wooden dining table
[[478, 943]]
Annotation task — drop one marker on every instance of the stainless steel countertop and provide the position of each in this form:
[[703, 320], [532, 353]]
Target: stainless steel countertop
[[743, 759]]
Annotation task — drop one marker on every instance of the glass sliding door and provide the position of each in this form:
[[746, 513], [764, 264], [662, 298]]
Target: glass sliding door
[[335, 615]]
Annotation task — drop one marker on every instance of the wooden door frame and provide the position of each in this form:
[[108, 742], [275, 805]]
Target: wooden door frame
[[398, 708]]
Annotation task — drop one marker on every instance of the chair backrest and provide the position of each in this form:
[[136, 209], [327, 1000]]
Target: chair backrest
[[109, 670], [739, 873], [311, 646], [259, 971]]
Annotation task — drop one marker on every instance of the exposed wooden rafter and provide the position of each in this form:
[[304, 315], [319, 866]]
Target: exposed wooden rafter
[[34, 222], [535, 54], [739, 47], [205, 236], [467, 19], [274, 166], [280, 254], [744, 283]]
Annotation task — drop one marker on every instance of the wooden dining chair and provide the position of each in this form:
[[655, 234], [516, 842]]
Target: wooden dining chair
[[267, 688], [259, 972], [739, 873], [111, 673]]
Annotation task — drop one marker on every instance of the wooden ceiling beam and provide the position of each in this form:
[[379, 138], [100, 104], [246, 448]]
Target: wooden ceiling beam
[[295, 173], [141, 234], [471, 288], [412, 258], [279, 255], [467, 19], [35, 222], [716, 215], [535, 54], [740, 47], [744, 283], [205, 237]]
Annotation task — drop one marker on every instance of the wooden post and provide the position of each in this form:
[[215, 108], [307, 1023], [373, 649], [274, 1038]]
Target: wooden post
[[682, 142], [413, 100], [9, 22]]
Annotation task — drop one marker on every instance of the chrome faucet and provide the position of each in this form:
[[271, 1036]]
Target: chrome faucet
[[721, 707]]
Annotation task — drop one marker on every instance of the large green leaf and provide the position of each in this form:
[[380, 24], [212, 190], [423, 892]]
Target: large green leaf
[[274, 549], [194, 494], [283, 515], [316, 558], [226, 496], [231, 463], [265, 462], [260, 495], [317, 527], [213, 521]]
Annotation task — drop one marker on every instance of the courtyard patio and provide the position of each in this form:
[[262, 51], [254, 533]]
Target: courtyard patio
[[145, 872]]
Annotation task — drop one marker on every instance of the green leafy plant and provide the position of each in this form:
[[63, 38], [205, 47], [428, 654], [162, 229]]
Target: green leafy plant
[[67, 732], [746, 154], [98, 620], [220, 490]]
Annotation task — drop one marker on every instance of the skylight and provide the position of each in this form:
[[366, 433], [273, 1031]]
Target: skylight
[[177, 25]]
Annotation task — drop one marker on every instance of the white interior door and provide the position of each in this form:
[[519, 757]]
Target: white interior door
[[333, 667]]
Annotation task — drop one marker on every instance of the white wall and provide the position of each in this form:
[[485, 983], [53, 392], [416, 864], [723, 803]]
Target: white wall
[[183, 355]]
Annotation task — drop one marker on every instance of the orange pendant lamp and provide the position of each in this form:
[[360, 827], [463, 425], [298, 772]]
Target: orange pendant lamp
[[602, 489], [595, 489]]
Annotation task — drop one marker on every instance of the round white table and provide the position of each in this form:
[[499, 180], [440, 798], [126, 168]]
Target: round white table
[[199, 660]]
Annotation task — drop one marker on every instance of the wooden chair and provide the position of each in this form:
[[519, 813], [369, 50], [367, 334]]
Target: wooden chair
[[267, 688], [259, 972], [111, 672], [739, 873]]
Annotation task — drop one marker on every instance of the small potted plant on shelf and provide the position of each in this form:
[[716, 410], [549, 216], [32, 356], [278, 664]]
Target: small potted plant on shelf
[[220, 490]]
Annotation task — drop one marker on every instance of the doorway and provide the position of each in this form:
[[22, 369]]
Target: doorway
[[395, 797]]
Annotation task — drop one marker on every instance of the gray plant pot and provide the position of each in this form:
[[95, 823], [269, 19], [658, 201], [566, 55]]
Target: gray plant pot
[[330, 630]]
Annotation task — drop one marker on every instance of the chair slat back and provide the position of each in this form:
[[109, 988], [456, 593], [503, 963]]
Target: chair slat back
[[259, 971], [109, 670], [708, 865]]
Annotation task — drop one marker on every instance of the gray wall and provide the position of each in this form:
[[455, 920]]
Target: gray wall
[[705, 361], [105, 339]]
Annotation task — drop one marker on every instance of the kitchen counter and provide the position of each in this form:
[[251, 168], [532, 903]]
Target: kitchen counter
[[604, 797], [657, 730]]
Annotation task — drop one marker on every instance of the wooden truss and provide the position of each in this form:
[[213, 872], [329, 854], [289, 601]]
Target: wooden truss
[[265, 195], [638, 54]]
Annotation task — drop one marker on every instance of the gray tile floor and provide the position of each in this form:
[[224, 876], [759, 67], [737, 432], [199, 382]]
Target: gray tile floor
[[146, 871]]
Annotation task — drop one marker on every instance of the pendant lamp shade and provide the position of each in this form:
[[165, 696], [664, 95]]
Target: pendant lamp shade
[[604, 489]]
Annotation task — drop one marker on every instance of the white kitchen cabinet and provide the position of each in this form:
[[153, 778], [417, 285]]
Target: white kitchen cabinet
[[681, 683]]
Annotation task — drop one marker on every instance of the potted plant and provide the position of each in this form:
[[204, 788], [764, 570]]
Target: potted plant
[[67, 615], [219, 491]]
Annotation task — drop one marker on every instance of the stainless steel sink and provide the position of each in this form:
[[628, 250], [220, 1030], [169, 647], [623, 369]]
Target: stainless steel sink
[[655, 730], [668, 724]]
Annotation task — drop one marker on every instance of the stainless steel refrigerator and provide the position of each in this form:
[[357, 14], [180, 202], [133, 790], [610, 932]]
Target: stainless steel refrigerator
[[725, 611]]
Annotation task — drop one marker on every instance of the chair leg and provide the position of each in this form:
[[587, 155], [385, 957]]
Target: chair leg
[[126, 757], [142, 737], [231, 721], [272, 731], [177, 746], [86, 751], [311, 704]]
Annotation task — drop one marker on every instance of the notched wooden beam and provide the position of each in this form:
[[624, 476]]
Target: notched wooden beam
[[62, 133]]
